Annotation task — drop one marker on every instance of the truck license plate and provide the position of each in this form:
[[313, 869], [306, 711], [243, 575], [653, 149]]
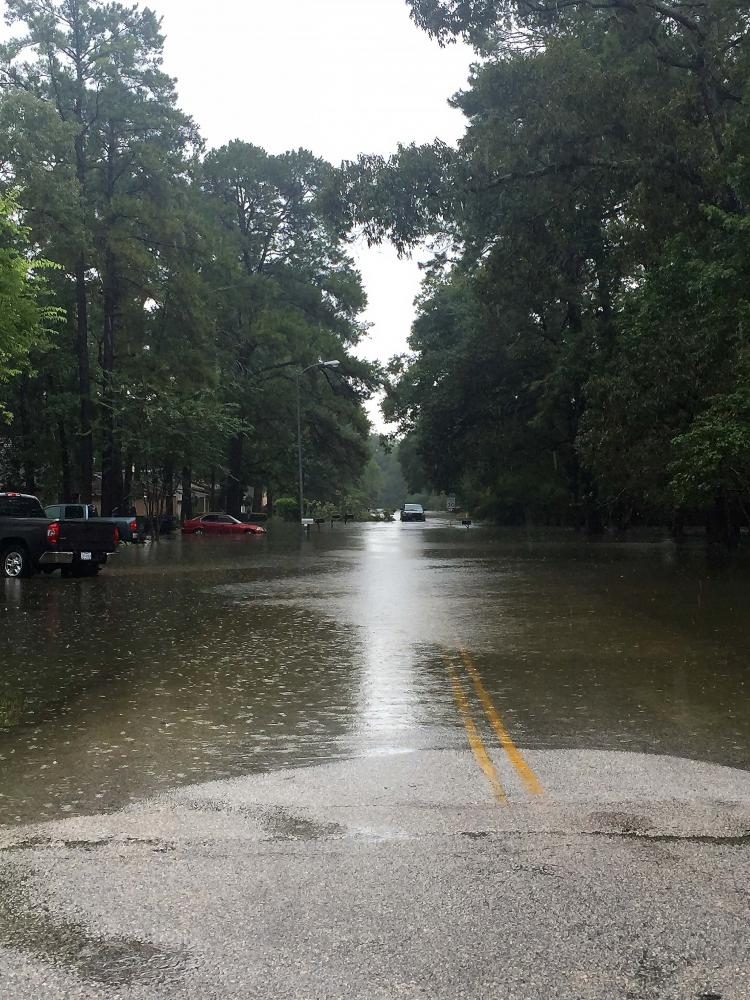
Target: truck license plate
[[86, 557]]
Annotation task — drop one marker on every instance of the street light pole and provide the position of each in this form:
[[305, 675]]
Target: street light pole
[[318, 364], [299, 449]]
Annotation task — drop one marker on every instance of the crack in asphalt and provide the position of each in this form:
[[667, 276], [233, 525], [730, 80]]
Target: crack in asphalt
[[83, 844], [730, 840], [718, 840]]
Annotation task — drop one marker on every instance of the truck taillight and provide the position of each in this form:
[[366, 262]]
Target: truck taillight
[[117, 535], [53, 533], [133, 526]]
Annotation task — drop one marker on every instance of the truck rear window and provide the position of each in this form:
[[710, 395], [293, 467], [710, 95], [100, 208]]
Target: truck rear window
[[20, 507]]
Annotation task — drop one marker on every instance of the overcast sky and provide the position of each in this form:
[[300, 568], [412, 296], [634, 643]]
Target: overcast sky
[[339, 77]]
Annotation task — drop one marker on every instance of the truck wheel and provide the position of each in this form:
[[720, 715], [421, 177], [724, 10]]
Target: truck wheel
[[15, 563]]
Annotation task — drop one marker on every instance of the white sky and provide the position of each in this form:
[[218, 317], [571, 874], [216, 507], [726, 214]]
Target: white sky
[[339, 77]]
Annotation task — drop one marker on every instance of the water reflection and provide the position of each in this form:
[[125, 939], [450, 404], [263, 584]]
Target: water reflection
[[387, 597], [201, 658]]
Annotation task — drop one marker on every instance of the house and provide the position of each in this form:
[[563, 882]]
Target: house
[[200, 492]]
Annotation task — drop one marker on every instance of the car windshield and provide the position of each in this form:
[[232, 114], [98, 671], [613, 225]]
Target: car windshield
[[415, 508]]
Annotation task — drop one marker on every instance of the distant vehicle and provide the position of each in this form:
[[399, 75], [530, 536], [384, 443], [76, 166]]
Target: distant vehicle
[[31, 541], [220, 524], [413, 512], [127, 526]]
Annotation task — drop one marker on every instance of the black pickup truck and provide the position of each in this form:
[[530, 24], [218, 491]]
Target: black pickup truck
[[31, 541]]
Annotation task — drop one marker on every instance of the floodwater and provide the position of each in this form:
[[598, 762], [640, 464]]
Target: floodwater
[[201, 658]]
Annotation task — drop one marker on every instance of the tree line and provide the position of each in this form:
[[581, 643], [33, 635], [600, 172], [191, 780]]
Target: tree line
[[580, 351], [159, 299], [580, 354]]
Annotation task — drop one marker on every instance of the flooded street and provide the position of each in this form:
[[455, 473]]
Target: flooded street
[[200, 658], [327, 767]]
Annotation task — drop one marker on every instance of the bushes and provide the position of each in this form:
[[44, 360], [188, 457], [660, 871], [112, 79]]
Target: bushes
[[287, 508]]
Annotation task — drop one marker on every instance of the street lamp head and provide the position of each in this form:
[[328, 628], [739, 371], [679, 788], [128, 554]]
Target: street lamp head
[[319, 364]]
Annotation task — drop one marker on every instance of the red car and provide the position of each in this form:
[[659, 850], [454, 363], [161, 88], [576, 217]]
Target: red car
[[220, 524]]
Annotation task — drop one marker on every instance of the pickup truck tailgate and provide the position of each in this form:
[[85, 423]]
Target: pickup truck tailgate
[[86, 536]]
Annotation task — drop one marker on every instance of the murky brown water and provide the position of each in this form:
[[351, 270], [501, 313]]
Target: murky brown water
[[199, 659]]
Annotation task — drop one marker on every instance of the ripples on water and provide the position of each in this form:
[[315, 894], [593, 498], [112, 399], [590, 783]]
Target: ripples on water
[[199, 659]]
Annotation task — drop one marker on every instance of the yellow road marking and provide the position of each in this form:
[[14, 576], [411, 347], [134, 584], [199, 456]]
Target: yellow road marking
[[475, 740], [527, 776]]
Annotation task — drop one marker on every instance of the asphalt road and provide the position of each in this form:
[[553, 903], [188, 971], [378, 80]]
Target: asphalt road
[[449, 854]]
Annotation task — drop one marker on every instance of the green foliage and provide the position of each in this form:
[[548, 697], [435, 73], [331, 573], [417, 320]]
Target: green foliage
[[323, 511], [287, 508], [26, 318], [580, 350], [194, 286], [371, 484], [713, 457]]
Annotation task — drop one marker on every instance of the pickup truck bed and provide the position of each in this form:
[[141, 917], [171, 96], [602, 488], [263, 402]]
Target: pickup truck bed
[[31, 541]]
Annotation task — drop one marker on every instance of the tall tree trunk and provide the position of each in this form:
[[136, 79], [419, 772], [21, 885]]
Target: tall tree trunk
[[66, 482], [234, 478], [169, 488], [15, 475], [678, 526], [86, 429], [26, 438], [111, 468], [187, 494], [721, 528], [127, 485]]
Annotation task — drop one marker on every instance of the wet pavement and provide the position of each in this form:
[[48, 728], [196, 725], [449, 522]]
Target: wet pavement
[[390, 760]]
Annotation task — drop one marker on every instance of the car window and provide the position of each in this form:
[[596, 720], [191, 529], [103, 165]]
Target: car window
[[226, 519], [210, 518], [20, 506], [53, 511], [74, 511]]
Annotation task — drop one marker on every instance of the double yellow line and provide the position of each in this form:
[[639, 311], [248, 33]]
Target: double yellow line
[[530, 781]]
